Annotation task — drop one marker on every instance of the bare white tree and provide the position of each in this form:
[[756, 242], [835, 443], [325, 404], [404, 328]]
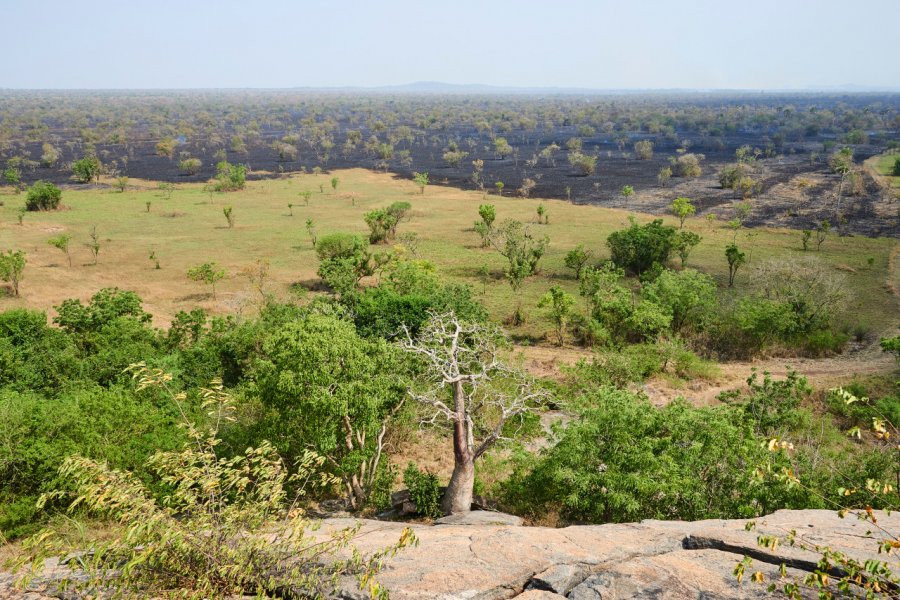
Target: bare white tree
[[468, 385]]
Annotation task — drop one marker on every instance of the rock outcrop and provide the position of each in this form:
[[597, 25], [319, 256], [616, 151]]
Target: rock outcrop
[[651, 559]]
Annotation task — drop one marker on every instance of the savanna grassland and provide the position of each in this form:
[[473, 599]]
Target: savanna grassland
[[189, 228]]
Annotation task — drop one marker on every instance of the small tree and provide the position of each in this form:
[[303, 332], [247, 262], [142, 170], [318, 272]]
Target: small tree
[[190, 166], [627, 192], [228, 211], [43, 195], [805, 237], [61, 242], [577, 258], [208, 273], [559, 309], [466, 384], [663, 177], [682, 208], [334, 183], [488, 214], [121, 184], [421, 180], [643, 149], [12, 176], [87, 169], [542, 216], [311, 231], [306, 195], [735, 259], [211, 526], [229, 177], [12, 265], [684, 243], [822, 233], [499, 185], [94, 244]]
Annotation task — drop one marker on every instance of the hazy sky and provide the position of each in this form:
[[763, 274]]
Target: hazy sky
[[565, 43]]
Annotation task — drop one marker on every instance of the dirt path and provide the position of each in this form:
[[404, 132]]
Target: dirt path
[[822, 373]]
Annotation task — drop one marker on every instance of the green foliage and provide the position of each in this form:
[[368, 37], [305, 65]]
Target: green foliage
[[625, 460], [190, 166], [12, 176], [892, 345], [521, 249], [559, 309], [421, 180], [61, 242], [87, 169], [344, 259], [772, 406], [688, 297], [682, 208], [12, 268], [488, 214], [424, 491], [895, 170], [229, 177], [37, 436], [43, 195], [208, 273], [332, 391], [585, 163], [735, 259], [639, 247], [577, 258], [223, 526], [383, 222], [683, 243], [105, 306]]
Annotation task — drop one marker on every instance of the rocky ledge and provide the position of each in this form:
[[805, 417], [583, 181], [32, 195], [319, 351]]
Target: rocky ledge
[[491, 558]]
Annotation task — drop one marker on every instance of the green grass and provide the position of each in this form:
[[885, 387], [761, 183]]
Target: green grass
[[190, 228]]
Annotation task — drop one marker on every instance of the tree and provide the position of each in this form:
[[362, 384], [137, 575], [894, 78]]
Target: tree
[[805, 236], [627, 192], [684, 243], [821, 233], [486, 396], [43, 195], [12, 176], [229, 177], [687, 165], [12, 265], [421, 180], [334, 183], [640, 247], [735, 259], [559, 309], [502, 148], [523, 253], [344, 259], [488, 213], [499, 185], [643, 149], [577, 258], [61, 242], [208, 273], [205, 525], [335, 392], [665, 174], [87, 169], [542, 216], [228, 211], [94, 244], [688, 297], [166, 147], [682, 208], [190, 166], [383, 222], [585, 163], [49, 155], [121, 184]]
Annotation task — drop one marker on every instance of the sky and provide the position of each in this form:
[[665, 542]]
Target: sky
[[599, 44]]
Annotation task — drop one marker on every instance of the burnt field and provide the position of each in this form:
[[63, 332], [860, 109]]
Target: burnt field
[[532, 145]]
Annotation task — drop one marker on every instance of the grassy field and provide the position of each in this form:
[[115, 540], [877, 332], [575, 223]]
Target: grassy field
[[189, 229]]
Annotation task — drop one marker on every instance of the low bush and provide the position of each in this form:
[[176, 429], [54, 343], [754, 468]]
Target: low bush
[[424, 490]]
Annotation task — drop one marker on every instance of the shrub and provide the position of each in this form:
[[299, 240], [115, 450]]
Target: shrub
[[625, 460], [190, 166], [12, 267], [87, 169], [223, 527], [687, 165], [105, 306], [585, 163], [424, 490], [43, 195], [688, 297], [639, 247], [344, 259], [229, 177]]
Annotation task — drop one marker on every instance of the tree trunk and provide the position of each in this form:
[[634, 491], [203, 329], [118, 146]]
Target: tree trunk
[[458, 497]]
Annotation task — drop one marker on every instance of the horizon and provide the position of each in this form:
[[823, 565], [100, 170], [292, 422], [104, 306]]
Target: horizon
[[579, 44]]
